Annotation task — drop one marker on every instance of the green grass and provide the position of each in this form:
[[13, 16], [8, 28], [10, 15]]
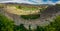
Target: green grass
[[26, 8], [34, 16]]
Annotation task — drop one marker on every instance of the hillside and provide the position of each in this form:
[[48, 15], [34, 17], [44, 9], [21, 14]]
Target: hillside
[[46, 15]]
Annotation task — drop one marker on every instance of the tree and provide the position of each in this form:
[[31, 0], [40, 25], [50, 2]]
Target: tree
[[54, 26], [20, 28], [6, 24]]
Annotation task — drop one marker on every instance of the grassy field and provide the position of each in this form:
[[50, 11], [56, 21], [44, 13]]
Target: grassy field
[[26, 8]]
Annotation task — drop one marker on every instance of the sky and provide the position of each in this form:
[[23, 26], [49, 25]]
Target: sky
[[32, 1]]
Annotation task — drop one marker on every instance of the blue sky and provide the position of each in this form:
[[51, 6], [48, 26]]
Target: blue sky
[[32, 1], [51, 0]]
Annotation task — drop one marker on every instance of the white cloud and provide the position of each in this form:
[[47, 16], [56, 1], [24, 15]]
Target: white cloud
[[50, 2], [58, 2], [18, 1], [31, 1]]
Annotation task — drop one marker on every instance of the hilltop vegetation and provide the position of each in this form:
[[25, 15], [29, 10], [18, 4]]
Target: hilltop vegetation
[[8, 25]]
